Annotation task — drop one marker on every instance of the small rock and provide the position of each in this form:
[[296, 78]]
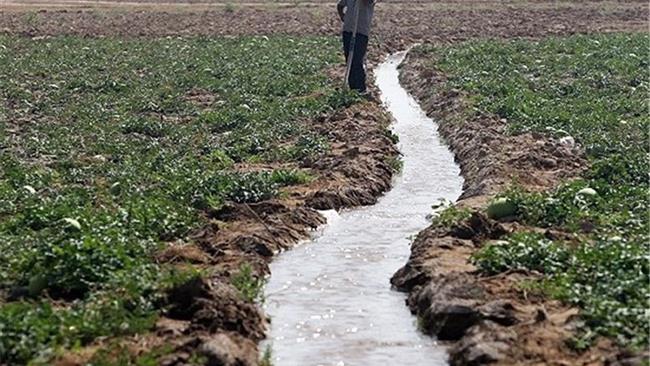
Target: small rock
[[484, 343], [222, 350], [448, 306], [408, 277], [448, 320], [541, 316], [352, 153], [500, 312], [462, 231], [548, 163], [250, 244], [568, 141], [482, 353]]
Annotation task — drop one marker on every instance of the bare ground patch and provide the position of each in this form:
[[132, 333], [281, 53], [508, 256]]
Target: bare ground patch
[[396, 25]]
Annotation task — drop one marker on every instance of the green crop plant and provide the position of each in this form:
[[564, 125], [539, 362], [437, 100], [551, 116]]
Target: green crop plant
[[395, 163], [111, 148], [249, 285], [449, 216], [267, 357], [593, 88]]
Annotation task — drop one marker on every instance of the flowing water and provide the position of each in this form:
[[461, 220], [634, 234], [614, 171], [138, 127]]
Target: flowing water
[[330, 300]]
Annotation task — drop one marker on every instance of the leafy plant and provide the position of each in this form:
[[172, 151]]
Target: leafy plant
[[267, 357], [450, 216], [119, 155], [250, 287], [522, 250], [290, 177], [395, 163], [593, 88]]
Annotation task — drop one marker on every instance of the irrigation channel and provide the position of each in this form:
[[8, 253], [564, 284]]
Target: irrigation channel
[[330, 300]]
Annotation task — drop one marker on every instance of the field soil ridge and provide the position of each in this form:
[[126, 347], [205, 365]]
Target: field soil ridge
[[208, 316], [489, 319]]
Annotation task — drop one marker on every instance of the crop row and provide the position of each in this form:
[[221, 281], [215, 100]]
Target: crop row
[[594, 90], [110, 148]]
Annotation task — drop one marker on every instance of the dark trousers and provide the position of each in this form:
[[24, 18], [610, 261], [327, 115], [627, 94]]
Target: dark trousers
[[357, 79]]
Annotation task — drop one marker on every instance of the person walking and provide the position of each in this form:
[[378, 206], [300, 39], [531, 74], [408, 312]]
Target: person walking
[[356, 16]]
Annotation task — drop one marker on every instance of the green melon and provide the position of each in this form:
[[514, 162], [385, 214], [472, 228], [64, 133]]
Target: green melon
[[500, 208], [36, 285]]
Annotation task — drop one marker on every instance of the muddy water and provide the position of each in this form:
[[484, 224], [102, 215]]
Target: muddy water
[[330, 300]]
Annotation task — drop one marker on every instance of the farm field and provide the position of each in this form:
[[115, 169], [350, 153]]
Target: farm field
[[585, 240], [396, 25], [156, 156], [592, 89], [112, 148]]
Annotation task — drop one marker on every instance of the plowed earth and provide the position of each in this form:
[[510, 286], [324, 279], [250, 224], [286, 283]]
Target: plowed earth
[[396, 25]]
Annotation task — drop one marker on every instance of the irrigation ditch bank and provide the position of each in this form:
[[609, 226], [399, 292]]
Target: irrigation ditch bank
[[207, 316], [480, 319], [492, 319], [330, 300]]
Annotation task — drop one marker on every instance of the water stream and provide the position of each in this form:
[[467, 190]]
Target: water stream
[[330, 300]]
